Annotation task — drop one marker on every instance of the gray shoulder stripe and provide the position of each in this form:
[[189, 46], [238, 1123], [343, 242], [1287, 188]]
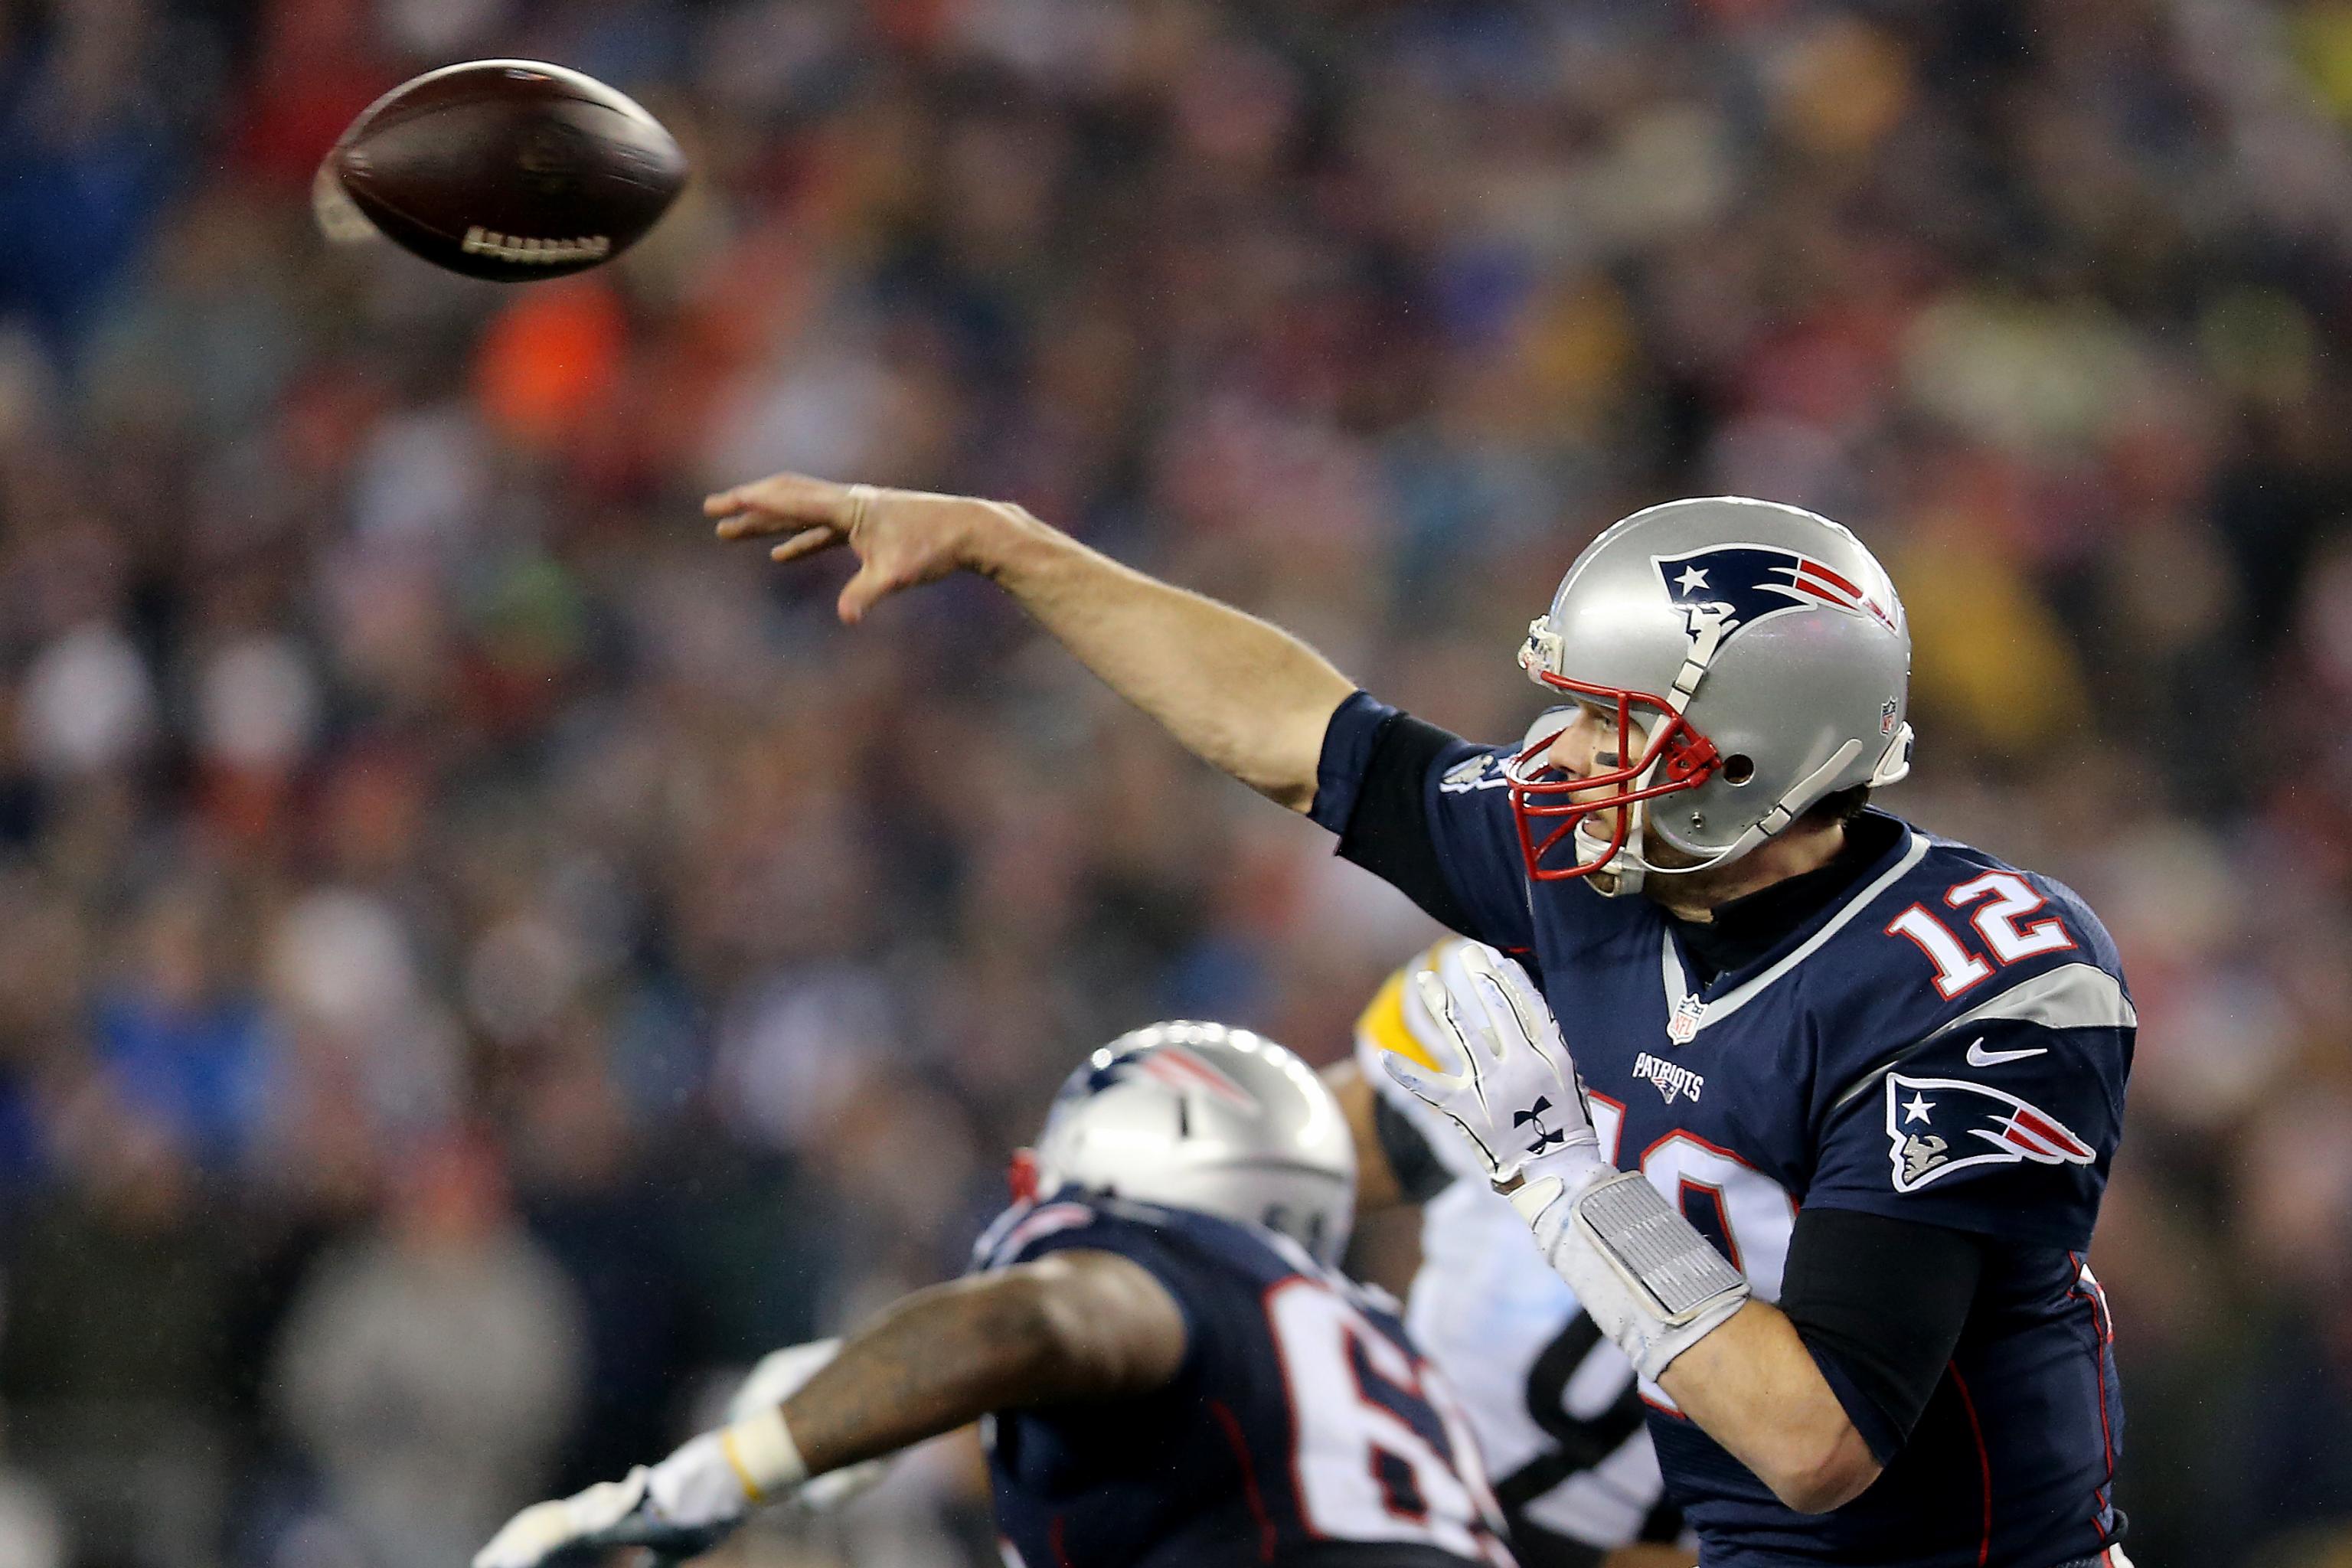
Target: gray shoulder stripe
[[2071, 997]]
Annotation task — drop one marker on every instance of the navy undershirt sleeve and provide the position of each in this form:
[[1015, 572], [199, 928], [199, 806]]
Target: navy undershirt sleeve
[[1371, 790], [1426, 812], [1880, 1303], [1348, 742]]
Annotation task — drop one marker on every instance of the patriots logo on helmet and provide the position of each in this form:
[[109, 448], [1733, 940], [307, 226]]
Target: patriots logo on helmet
[[1749, 583], [1935, 1126], [1174, 1068]]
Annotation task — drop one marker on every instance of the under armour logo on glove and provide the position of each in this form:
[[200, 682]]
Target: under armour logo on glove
[[1545, 1136]]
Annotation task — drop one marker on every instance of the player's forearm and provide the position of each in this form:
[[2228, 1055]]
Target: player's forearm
[[1753, 1387], [934, 1362], [1241, 694], [1043, 1333]]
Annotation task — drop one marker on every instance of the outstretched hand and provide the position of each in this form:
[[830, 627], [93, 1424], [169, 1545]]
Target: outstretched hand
[[902, 538], [583, 1529]]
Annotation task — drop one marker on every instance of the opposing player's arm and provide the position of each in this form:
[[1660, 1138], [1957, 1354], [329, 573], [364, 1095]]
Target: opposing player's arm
[[1243, 695], [1073, 1325], [1377, 1187]]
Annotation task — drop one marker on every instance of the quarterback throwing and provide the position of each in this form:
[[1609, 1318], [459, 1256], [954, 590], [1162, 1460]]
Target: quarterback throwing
[[1813, 1111]]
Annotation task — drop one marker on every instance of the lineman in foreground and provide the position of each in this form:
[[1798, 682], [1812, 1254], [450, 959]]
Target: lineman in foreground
[[1169, 1369], [1553, 1404], [1853, 1091]]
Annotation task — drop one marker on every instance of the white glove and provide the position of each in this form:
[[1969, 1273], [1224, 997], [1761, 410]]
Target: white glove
[[1505, 1077], [781, 1374], [1639, 1270], [680, 1507], [549, 1530]]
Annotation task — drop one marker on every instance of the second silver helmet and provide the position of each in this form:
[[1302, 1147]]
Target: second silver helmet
[[1199, 1116]]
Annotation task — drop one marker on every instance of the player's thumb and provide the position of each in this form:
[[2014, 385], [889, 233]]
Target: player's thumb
[[868, 588]]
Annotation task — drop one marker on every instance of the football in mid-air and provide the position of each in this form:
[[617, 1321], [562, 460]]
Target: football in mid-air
[[508, 170]]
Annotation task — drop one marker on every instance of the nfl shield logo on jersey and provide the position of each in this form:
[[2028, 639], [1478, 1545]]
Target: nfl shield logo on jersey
[[1935, 1126], [1683, 1028]]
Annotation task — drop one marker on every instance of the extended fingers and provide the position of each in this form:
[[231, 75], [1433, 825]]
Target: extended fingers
[[1504, 981], [529, 1538], [1410, 1074], [1437, 1000], [781, 503], [809, 542]]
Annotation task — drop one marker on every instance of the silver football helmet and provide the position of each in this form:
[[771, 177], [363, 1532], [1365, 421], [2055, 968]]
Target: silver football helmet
[[1199, 1116], [1753, 658]]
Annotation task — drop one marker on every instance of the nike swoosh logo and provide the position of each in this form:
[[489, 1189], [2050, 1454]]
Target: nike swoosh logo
[[1981, 1057]]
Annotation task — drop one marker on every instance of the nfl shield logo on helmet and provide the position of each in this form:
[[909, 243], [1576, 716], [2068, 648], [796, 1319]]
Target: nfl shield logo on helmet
[[1935, 1126], [1747, 583]]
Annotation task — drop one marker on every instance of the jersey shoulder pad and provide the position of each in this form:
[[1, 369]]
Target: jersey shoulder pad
[[1951, 866], [1222, 1246], [1028, 1229], [1149, 1233], [1960, 936]]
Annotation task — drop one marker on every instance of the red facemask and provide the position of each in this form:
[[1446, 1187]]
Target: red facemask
[[1550, 805]]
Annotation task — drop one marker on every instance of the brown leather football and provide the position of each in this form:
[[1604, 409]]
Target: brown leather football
[[508, 170]]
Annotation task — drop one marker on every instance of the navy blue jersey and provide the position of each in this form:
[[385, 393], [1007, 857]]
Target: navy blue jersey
[[1302, 1428], [1948, 1041]]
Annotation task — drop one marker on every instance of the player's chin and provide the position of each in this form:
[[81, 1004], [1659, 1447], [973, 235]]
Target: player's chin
[[1665, 857], [1661, 856]]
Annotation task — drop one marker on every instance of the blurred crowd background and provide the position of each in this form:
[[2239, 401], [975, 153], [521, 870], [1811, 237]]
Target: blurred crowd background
[[479, 961]]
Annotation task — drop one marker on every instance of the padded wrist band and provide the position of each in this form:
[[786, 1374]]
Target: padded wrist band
[[1642, 1273], [1657, 1251], [761, 1451]]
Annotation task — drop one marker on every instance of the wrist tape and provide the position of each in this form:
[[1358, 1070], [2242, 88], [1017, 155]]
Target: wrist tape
[[761, 1451], [1641, 1270]]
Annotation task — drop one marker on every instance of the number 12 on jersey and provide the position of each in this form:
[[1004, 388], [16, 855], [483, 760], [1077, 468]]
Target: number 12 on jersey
[[2003, 899]]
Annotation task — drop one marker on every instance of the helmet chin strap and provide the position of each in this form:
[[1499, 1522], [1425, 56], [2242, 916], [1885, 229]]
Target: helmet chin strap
[[1625, 866], [1775, 822]]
